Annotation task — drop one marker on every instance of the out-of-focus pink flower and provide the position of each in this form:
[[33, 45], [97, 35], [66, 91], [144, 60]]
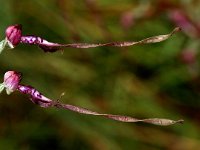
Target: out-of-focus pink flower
[[11, 81], [188, 56], [127, 20], [13, 34], [183, 21]]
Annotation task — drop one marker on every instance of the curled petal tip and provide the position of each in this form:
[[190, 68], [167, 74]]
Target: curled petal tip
[[180, 121], [177, 29]]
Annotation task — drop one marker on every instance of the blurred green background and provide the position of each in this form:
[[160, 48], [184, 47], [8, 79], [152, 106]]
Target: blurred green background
[[146, 81]]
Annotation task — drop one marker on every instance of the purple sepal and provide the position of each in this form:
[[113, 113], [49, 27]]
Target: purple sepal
[[48, 48], [43, 44], [35, 96]]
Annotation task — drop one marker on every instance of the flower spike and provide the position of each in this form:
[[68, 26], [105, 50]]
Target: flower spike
[[14, 37], [12, 81]]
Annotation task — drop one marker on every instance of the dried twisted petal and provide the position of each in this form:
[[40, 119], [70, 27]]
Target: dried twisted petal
[[52, 47], [155, 121], [37, 98]]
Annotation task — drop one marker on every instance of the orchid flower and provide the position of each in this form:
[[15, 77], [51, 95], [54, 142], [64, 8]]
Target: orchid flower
[[14, 37], [12, 81]]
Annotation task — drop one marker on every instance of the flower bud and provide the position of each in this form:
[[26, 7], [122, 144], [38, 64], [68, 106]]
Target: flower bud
[[11, 81], [13, 35]]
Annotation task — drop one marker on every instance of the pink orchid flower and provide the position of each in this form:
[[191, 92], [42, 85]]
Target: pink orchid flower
[[14, 37], [12, 81]]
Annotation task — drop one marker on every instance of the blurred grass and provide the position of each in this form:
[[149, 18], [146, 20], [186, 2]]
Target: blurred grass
[[141, 81]]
